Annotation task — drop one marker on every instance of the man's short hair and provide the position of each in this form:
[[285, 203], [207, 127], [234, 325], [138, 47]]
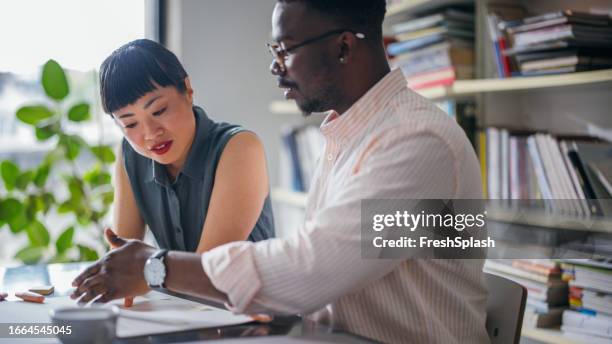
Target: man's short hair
[[136, 69], [361, 15]]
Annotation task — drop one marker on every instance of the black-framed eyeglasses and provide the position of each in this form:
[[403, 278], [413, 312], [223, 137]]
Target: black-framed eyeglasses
[[279, 51]]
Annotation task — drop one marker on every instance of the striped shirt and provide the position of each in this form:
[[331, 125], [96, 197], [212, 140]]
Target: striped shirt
[[391, 143]]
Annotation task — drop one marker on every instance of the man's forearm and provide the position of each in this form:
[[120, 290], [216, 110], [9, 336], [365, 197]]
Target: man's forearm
[[185, 275]]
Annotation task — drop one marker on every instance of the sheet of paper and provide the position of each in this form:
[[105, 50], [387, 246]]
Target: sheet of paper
[[153, 313]]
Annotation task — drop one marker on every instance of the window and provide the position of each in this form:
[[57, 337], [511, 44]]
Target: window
[[77, 34]]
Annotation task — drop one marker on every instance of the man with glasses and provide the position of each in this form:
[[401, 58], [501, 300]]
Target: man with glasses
[[383, 141]]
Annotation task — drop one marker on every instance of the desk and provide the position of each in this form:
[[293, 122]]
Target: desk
[[288, 328]]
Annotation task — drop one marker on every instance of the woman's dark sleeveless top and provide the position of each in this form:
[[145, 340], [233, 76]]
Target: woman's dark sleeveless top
[[175, 211]]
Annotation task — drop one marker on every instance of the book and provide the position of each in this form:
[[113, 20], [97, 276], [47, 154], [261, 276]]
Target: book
[[597, 325], [586, 153], [579, 35], [498, 266], [560, 17], [398, 48], [449, 15], [435, 57], [567, 60], [552, 318], [441, 77], [576, 16]]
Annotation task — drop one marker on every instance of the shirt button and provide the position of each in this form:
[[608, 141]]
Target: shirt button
[[330, 157]]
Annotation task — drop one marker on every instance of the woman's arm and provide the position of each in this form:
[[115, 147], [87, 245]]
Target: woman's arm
[[127, 221], [239, 193]]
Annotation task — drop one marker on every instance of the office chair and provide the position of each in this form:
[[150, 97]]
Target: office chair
[[505, 308]]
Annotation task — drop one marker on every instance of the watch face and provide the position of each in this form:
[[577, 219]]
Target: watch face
[[155, 272]]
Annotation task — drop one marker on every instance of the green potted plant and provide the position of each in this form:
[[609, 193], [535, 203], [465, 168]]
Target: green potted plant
[[60, 186]]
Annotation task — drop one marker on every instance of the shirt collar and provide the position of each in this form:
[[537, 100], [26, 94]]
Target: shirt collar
[[346, 125], [193, 166]]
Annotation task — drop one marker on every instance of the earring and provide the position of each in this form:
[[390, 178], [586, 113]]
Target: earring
[[342, 60]]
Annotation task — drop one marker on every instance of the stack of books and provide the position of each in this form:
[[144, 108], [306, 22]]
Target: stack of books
[[590, 297], [574, 177], [546, 291], [301, 148], [556, 42], [435, 49]]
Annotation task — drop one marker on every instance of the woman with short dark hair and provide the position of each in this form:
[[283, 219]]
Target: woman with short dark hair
[[194, 182]]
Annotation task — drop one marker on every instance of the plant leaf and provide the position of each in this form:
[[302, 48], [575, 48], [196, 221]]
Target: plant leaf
[[104, 153], [47, 130], [60, 258], [65, 207], [55, 155], [87, 253], [9, 172], [64, 242], [54, 80], [41, 175], [79, 113], [95, 177], [10, 208], [13, 212], [38, 234], [24, 180], [19, 222], [33, 114], [108, 197], [30, 254], [48, 200], [72, 146]]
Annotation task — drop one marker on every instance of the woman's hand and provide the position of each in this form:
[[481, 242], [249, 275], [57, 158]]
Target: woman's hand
[[120, 273]]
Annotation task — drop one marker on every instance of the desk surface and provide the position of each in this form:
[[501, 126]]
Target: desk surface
[[289, 329]]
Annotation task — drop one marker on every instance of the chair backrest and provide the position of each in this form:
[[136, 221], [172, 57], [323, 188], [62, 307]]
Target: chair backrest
[[505, 308]]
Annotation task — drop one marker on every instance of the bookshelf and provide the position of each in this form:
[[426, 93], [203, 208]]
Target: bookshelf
[[408, 7], [529, 104], [527, 218], [548, 336]]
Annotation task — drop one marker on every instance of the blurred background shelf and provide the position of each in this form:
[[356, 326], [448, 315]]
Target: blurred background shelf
[[533, 218], [294, 198], [545, 335], [469, 88], [411, 7], [462, 88], [283, 107], [525, 217]]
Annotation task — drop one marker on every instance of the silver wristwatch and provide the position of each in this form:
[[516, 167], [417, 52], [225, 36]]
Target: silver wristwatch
[[155, 270]]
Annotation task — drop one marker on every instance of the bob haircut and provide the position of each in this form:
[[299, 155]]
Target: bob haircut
[[135, 69]]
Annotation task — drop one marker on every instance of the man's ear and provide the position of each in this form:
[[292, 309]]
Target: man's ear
[[347, 42], [189, 90]]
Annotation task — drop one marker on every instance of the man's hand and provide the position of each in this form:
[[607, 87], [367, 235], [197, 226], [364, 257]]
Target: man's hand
[[118, 274], [110, 239]]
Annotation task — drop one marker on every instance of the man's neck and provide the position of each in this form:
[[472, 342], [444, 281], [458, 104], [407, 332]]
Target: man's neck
[[362, 85]]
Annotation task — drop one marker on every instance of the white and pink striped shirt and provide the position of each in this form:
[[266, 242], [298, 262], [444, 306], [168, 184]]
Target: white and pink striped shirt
[[392, 143]]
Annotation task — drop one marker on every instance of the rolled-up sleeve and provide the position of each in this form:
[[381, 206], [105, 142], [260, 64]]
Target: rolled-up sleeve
[[322, 261]]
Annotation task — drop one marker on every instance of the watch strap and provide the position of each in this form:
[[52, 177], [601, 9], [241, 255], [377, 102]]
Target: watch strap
[[159, 254]]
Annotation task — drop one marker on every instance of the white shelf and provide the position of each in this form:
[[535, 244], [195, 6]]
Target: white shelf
[[294, 198], [466, 88], [527, 218], [462, 88], [284, 107], [547, 220], [418, 6], [549, 336]]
